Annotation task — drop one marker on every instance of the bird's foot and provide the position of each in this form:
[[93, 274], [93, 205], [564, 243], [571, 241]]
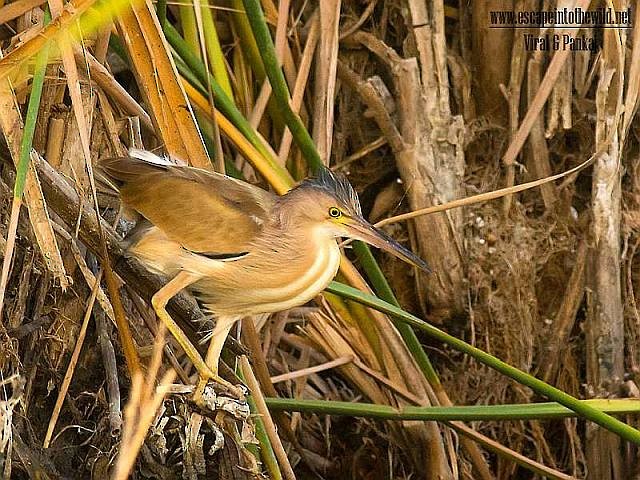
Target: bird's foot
[[205, 391], [233, 403], [237, 391]]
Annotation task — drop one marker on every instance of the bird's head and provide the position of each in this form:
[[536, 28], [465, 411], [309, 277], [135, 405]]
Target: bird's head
[[329, 202]]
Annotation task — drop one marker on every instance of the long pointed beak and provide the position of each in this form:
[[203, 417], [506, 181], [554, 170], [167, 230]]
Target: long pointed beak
[[362, 230]]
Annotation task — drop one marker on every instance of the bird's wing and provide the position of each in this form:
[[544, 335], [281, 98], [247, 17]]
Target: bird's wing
[[205, 212]]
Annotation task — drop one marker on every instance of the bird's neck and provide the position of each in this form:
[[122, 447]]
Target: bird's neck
[[299, 244], [295, 268]]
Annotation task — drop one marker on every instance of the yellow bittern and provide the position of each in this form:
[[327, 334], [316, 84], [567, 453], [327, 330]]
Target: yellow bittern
[[240, 249]]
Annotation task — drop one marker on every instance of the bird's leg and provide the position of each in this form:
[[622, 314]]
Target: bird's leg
[[159, 302], [218, 336]]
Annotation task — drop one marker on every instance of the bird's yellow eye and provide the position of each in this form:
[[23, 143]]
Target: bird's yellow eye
[[335, 212]]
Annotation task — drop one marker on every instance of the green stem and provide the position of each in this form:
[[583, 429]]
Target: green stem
[[612, 424], [248, 43], [162, 12], [221, 99], [32, 115], [383, 290], [189, 28], [279, 84], [520, 411], [266, 450], [214, 50]]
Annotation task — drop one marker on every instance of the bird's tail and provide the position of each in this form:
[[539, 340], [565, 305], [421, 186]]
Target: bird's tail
[[139, 162]]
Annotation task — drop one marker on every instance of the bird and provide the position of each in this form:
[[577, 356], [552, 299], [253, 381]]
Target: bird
[[240, 249]]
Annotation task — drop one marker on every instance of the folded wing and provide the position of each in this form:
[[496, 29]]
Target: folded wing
[[205, 212]]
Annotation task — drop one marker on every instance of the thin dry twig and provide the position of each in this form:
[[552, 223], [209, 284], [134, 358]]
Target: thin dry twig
[[16, 9], [270, 427], [311, 370], [66, 381], [484, 197], [144, 401]]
